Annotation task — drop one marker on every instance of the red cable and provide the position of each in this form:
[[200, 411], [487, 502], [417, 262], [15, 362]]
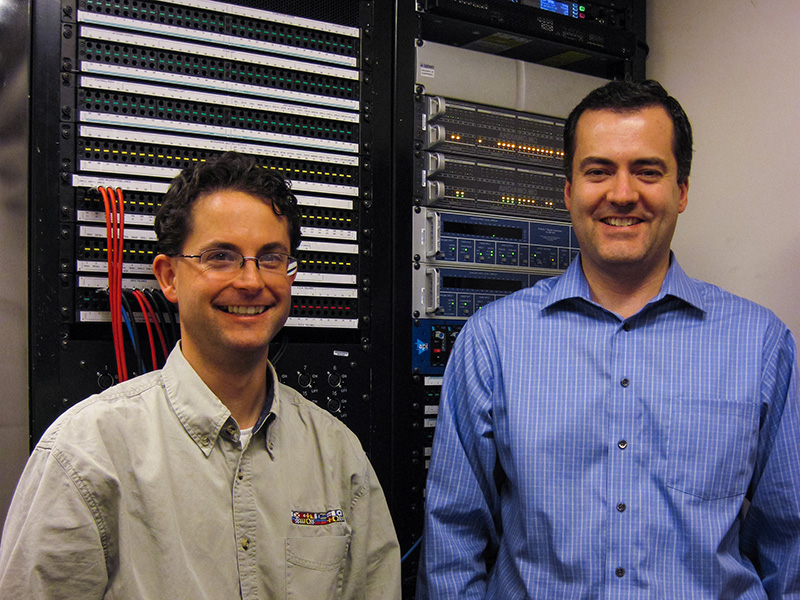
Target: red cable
[[120, 257], [141, 300], [112, 276], [151, 311]]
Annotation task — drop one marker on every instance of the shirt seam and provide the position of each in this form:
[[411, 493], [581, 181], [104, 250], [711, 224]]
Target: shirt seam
[[88, 500]]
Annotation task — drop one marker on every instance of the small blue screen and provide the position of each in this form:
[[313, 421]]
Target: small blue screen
[[561, 8]]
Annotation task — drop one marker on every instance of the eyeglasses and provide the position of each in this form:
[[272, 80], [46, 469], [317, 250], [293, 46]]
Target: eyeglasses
[[224, 261]]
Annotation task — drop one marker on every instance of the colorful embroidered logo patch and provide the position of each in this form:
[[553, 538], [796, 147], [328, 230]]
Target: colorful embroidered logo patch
[[300, 517]]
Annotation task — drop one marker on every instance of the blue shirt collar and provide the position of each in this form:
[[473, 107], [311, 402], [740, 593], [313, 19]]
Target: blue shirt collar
[[677, 284]]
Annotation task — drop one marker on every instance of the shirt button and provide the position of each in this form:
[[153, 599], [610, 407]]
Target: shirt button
[[621, 507], [240, 475], [625, 382], [622, 444], [620, 572], [626, 326], [245, 544], [205, 441]]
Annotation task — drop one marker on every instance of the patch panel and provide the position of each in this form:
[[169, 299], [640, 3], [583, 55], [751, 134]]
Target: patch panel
[[132, 56], [328, 218], [296, 36], [324, 307], [90, 203], [108, 85], [299, 127], [327, 263], [134, 251], [100, 154]]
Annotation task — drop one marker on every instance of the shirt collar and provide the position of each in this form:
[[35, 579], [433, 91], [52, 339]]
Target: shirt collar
[[677, 284], [198, 409]]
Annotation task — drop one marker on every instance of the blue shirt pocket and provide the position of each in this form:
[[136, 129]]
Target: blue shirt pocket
[[712, 446]]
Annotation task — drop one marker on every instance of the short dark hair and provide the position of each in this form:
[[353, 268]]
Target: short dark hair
[[628, 96], [230, 171]]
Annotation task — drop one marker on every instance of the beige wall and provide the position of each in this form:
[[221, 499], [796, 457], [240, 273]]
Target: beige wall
[[13, 246], [733, 65]]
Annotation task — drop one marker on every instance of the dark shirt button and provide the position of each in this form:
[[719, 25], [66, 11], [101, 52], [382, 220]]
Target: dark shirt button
[[620, 572], [625, 382], [622, 444], [621, 507], [626, 326]]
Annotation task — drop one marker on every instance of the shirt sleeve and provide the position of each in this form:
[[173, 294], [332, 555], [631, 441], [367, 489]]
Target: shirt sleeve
[[51, 547], [770, 534], [461, 533], [373, 569]]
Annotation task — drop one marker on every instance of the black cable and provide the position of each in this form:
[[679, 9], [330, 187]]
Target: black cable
[[282, 342], [126, 306], [169, 310]]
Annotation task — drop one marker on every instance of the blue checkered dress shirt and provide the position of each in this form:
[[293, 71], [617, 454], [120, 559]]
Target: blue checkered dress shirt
[[579, 455]]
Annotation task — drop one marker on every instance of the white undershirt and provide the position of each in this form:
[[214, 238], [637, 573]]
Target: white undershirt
[[244, 435]]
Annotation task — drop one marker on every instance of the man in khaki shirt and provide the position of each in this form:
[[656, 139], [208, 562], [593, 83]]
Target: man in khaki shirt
[[209, 478]]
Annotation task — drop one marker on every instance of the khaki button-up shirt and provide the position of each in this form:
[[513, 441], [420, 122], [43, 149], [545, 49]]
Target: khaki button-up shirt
[[145, 491]]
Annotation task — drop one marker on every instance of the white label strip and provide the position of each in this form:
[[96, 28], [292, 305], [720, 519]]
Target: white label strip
[[216, 85], [104, 133], [431, 409], [98, 83], [96, 266], [323, 292], [324, 202], [328, 247], [216, 131], [160, 43], [92, 216], [131, 185], [326, 323], [101, 283], [434, 381], [144, 170], [331, 234], [334, 278], [265, 15], [146, 186], [95, 216], [141, 170], [217, 38], [130, 233]]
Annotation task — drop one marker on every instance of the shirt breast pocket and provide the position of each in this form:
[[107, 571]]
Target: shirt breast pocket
[[315, 565], [712, 447]]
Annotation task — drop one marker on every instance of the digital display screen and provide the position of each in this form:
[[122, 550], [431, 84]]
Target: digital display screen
[[562, 8], [456, 227]]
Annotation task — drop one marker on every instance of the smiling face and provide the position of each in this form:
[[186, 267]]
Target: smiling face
[[624, 198], [228, 318]]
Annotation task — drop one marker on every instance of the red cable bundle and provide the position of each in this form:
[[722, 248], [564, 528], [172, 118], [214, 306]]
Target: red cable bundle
[[115, 233]]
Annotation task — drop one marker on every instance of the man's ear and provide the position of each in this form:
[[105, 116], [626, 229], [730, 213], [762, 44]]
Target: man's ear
[[164, 270], [567, 193]]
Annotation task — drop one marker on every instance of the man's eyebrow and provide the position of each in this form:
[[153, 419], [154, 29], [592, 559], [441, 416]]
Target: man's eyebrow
[[274, 247], [651, 162], [641, 162], [595, 160]]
